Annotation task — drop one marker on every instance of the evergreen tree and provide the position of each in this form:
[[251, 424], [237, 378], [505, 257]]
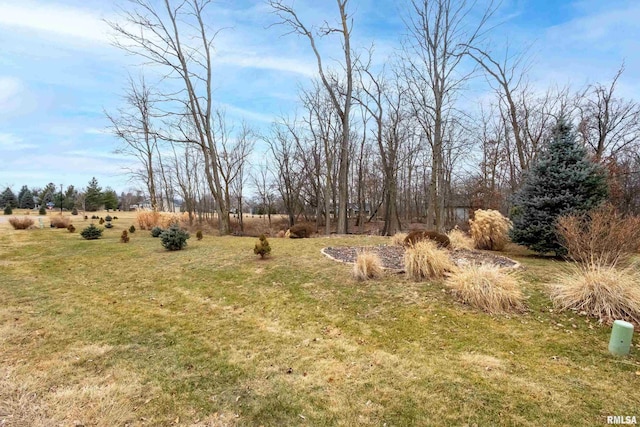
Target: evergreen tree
[[70, 198], [93, 196], [110, 199], [21, 195], [48, 193], [26, 201], [563, 181], [9, 199]]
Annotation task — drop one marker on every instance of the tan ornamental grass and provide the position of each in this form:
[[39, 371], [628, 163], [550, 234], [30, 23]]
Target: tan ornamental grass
[[20, 223], [368, 266], [488, 288], [424, 260], [460, 240], [489, 230], [398, 239]]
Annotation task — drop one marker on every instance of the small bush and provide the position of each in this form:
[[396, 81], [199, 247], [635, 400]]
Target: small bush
[[460, 240], [108, 225], [94, 217], [91, 232], [156, 231], [602, 291], [262, 247], [489, 230], [487, 287], [600, 237], [398, 239], [20, 223], [368, 266], [108, 218], [8, 210], [115, 217], [174, 238], [199, 235], [74, 211], [424, 260], [42, 211], [132, 229], [101, 221], [419, 235], [301, 231], [59, 222], [86, 217], [124, 238], [71, 228]]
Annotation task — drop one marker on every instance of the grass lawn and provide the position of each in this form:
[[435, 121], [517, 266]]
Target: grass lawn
[[109, 334]]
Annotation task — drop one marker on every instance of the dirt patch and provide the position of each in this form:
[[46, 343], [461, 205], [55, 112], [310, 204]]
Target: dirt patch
[[392, 257]]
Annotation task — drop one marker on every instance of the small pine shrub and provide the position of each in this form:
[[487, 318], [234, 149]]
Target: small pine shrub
[[489, 230], [91, 232], [460, 240], [262, 247], [74, 211], [101, 221], [71, 228], [174, 238], [59, 222], [487, 287], [199, 235], [86, 217], [21, 223], [42, 211], [368, 266], [132, 229], [156, 231], [8, 210], [424, 260], [108, 225], [602, 291], [108, 218], [124, 238], [94, 217], [398, 239]]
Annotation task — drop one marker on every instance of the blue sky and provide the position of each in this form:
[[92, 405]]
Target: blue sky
[[59, 73]]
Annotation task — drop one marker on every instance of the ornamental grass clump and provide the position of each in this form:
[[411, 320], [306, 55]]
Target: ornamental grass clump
[[398, 239], [174, 238], [601, 291], [21, 223], [368, 266], [424, 260], [490, 230], [59, 222], [460, 240], [91, 232], [262, 247], [487, 287]]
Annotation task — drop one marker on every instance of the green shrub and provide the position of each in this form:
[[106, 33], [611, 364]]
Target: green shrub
[[91, 232], [108, 218], [262, 247], [108, 225], [124, 238], [8, 210], [156, 231], [74, 211], [71, 228], [42, 210], [132, 229], [199, 235], [174, 238]]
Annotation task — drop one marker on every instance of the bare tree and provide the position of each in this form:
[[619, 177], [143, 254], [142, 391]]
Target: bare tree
[[340, 94]]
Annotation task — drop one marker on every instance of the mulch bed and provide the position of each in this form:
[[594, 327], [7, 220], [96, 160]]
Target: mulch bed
[[392, 257]]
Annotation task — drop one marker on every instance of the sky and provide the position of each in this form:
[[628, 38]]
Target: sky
[[60, 73]]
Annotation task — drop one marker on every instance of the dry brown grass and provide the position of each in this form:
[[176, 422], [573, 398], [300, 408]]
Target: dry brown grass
[[398, 239], [60, 221], [20, 223], [424, 260], [488, 288], [460, 240], [602, 291], [148, 219], [489, 230], [368, 266], [600, 237]]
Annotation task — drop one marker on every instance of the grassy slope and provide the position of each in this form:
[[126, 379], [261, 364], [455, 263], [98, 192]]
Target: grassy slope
[[107, 334]]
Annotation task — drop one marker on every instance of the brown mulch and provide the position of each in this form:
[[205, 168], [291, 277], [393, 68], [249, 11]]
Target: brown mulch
[[392, 257]]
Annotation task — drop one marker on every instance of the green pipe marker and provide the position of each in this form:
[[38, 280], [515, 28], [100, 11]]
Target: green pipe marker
[[621, 335]]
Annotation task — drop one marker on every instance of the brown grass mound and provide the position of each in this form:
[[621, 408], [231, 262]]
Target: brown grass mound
[[601, 291], [424, 260], [487, 287], [460, 240], [368, 266], [60, 222], [301, 231], [398, 239], [20, 223], [419, 235], [148, 219], [489, 230]]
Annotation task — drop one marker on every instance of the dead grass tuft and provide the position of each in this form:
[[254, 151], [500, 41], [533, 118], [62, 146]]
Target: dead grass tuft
[[398, 239], [20, 223], [460, 240], [60, 222], [489, 230], [602, 291], [488, 288], [148, 219], [368, 266], [424, 260]]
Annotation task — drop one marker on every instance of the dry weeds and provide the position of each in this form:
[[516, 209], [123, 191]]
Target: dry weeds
[[424, 260], [368, 266]]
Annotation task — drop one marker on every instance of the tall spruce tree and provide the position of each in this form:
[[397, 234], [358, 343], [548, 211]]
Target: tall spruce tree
[[9, 199], [26, 201], [563, 181], [93, 196]]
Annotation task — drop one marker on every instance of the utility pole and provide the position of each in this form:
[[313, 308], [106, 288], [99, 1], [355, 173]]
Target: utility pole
[[61, 199]]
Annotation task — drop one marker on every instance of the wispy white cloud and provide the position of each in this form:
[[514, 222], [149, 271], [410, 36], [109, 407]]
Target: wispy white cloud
[[11, 142]]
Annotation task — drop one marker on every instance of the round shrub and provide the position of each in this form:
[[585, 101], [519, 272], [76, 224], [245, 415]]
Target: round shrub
[[8, 210], [199, 235], [108, 225], [108, 218], [42, 210], [91, 232], [74, 211], [132, 229], [71, 228], [262, 247], [101, 221], [124, 238], [156, 231], [174, 238]]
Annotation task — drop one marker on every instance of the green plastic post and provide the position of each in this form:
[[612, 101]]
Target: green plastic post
[[621, 335]]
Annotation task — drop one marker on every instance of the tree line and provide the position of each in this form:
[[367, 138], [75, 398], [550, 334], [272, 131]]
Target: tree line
[[396, 142]]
